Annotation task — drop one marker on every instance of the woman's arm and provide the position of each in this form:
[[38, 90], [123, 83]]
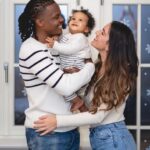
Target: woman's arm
[[80, 119], [48, 123]]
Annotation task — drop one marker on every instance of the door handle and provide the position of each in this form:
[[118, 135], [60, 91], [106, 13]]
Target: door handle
[[6, 72], [78, 2], [102, 2]]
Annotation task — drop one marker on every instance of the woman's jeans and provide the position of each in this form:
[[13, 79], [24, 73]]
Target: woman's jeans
[[53, 141], [114, 136]]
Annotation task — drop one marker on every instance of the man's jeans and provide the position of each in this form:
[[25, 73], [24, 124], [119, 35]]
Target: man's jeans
[[53, 141], [114, 136]]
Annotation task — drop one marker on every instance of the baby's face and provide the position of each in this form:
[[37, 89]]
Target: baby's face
[[78, 23]]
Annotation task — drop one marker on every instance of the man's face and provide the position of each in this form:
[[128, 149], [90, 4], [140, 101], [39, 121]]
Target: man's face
[[52, 20]]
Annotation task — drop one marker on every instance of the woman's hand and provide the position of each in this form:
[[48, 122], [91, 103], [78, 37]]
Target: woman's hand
[[45, 124]]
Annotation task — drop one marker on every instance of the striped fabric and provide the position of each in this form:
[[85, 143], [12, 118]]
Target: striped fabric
[[46, 84], [46, 66], [73, 50]]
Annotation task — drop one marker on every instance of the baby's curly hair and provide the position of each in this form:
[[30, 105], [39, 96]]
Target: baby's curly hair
[[91, 20]]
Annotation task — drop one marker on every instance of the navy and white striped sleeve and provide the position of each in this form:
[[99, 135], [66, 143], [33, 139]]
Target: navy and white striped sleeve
[[38, 63]]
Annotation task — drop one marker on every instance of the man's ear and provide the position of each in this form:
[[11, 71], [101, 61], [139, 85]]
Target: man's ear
[[39, 22]]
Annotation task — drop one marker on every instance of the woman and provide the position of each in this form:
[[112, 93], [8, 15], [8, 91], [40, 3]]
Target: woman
[[113, 81]]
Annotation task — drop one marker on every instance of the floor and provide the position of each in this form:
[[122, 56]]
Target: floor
[[26, 149]]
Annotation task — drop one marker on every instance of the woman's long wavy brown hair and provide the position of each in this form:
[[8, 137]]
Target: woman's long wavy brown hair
[[121, 68]]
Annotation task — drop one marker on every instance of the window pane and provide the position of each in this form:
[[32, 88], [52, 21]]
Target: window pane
[[145, 140], [21, 102], [128, 15], [130, 110], [145, 34], [133, 132], [145, 96], [64, 10], [18, 10]]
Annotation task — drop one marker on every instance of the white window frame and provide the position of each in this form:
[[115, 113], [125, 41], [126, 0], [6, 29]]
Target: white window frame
[[1, 64]]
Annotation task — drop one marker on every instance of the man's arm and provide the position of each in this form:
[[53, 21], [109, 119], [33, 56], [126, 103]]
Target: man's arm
[[39, 64]]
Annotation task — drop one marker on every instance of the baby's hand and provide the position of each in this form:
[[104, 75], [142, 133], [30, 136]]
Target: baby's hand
[[50, 41], [77, 103]]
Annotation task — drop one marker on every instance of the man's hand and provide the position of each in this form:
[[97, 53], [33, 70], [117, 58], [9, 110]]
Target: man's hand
[[77, 103]]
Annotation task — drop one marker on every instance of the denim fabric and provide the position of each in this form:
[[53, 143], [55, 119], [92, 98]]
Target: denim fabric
[[113, 136], [53, 141]]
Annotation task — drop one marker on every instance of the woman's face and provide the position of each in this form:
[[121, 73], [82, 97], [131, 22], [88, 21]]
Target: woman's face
[[101, 40]]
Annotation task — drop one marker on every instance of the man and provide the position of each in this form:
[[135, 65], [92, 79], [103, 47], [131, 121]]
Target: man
[[45, 83]]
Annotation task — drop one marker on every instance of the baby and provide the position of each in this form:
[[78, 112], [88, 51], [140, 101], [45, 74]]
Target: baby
[[74, 48]]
